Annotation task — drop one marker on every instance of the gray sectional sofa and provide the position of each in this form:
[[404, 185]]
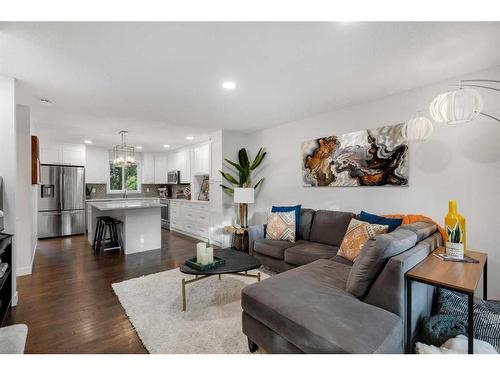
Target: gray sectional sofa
[[322, 303]]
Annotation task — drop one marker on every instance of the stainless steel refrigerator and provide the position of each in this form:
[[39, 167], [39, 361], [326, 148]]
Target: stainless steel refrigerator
[[61, 201]]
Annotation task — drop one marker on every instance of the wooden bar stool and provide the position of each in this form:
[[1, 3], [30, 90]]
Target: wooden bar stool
[[108, 235]]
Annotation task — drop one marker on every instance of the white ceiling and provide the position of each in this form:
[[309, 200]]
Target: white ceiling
[[161, 81]]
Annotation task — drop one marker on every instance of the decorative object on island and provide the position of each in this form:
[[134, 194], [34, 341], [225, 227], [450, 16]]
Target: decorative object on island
[[417, 129], [204, 190], [463, 104], [243, 196], [455, 232], [123, 154], [374, 157]]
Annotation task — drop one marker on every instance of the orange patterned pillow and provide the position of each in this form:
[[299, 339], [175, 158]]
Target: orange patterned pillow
[[281, 226], [358, 232]]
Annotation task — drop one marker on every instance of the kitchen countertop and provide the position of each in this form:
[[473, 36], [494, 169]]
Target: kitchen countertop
[[121, 199], [124, 205], [187, 200]]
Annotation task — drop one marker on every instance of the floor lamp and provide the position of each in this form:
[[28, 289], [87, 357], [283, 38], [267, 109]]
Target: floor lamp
[[243, 196]]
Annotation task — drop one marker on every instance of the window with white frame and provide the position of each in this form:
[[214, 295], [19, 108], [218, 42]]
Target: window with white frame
[[124, 177]]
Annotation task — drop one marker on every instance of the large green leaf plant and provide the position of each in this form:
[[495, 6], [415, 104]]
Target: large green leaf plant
[[244, 168]]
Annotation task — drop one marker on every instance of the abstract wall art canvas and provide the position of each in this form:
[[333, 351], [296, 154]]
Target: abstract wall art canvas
[[374, 157]]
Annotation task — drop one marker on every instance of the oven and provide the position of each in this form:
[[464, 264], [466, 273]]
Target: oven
[[165, 213]]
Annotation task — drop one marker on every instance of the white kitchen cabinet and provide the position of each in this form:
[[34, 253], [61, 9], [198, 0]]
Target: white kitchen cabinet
[[63, 154], [160, 169], [148, 168], [216, 157], [190, 218], [50, 154], [179, 160], [201, 159], [73, 155], [96, 165]]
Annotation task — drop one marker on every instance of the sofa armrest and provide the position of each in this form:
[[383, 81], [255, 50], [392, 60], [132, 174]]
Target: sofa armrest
[[255, 232]]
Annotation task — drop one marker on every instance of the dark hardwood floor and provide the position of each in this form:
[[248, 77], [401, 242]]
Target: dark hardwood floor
[[68, 303]]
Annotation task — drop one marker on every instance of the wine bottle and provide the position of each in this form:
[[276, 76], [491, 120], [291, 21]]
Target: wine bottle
[[455, 232]]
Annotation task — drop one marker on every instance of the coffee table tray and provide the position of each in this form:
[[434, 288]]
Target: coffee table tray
[[191, 262]]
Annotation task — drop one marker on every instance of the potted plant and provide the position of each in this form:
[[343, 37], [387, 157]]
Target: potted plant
[[243, 184]]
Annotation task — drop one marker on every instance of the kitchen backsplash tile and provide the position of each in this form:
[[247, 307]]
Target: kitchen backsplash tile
[[101, 193]]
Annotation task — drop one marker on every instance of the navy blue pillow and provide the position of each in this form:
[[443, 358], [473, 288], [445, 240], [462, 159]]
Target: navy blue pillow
[[289, 209], [375, 219]]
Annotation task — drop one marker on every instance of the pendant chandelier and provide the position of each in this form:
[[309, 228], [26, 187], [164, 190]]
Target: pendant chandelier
[[123, 155]]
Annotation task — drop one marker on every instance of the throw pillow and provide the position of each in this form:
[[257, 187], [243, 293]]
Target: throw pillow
[[281, 226], [486, 314], [375, 219], [358, 232], [295, 209]]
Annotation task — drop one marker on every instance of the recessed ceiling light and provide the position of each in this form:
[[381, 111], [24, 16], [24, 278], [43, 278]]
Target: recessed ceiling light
[[138, 147], [166, 146], [229, 85], [189, 137], [45, 101], [87, 142]]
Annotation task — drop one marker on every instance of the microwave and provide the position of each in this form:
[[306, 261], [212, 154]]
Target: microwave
[[174, 177]]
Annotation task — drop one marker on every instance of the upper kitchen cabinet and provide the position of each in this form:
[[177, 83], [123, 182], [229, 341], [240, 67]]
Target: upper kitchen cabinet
[[148, 168], [160, 169], [201, 159], [62, 154], [179, 160], [97, 164]]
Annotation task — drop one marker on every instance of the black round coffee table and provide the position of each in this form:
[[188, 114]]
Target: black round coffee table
[[237, 263]]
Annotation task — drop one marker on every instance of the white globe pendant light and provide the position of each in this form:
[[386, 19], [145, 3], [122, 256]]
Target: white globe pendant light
[[457, 106], [417, 129]]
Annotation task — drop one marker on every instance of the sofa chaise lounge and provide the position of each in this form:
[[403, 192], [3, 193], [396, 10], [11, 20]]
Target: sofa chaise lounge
[[322, 303]]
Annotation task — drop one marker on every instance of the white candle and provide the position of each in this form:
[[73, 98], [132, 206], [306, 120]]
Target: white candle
[[200, 252], [210, 254]]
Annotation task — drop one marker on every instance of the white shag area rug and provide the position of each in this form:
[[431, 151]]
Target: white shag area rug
[[211, 324]]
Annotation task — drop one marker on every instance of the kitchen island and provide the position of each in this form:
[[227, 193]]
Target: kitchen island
[[141, 222]]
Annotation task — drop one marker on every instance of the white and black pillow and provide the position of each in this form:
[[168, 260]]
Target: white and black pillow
[[486, 315]]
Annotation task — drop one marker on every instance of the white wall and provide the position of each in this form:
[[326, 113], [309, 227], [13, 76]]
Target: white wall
[[25, 194], [458, 162], [8, 162]]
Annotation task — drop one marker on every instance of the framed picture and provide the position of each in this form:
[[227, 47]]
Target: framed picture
[[204, 194], [374, 157]]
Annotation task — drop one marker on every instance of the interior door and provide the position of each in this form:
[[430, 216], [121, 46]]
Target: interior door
[[49, 190]]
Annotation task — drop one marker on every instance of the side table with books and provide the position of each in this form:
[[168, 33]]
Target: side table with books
[[458, 276]]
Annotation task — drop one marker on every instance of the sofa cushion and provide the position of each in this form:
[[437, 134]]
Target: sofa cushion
[[272, 248], [309, 252], [308, 307], [329, 227], [306, 218], [422, 229], [373, 256], [393, 224], [296, 210]]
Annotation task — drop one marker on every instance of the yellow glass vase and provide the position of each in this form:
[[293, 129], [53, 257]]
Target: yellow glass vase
[[455, 232]]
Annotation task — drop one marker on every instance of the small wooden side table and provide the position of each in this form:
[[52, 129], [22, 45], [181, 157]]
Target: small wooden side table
[[455, 276], [240, 238]]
